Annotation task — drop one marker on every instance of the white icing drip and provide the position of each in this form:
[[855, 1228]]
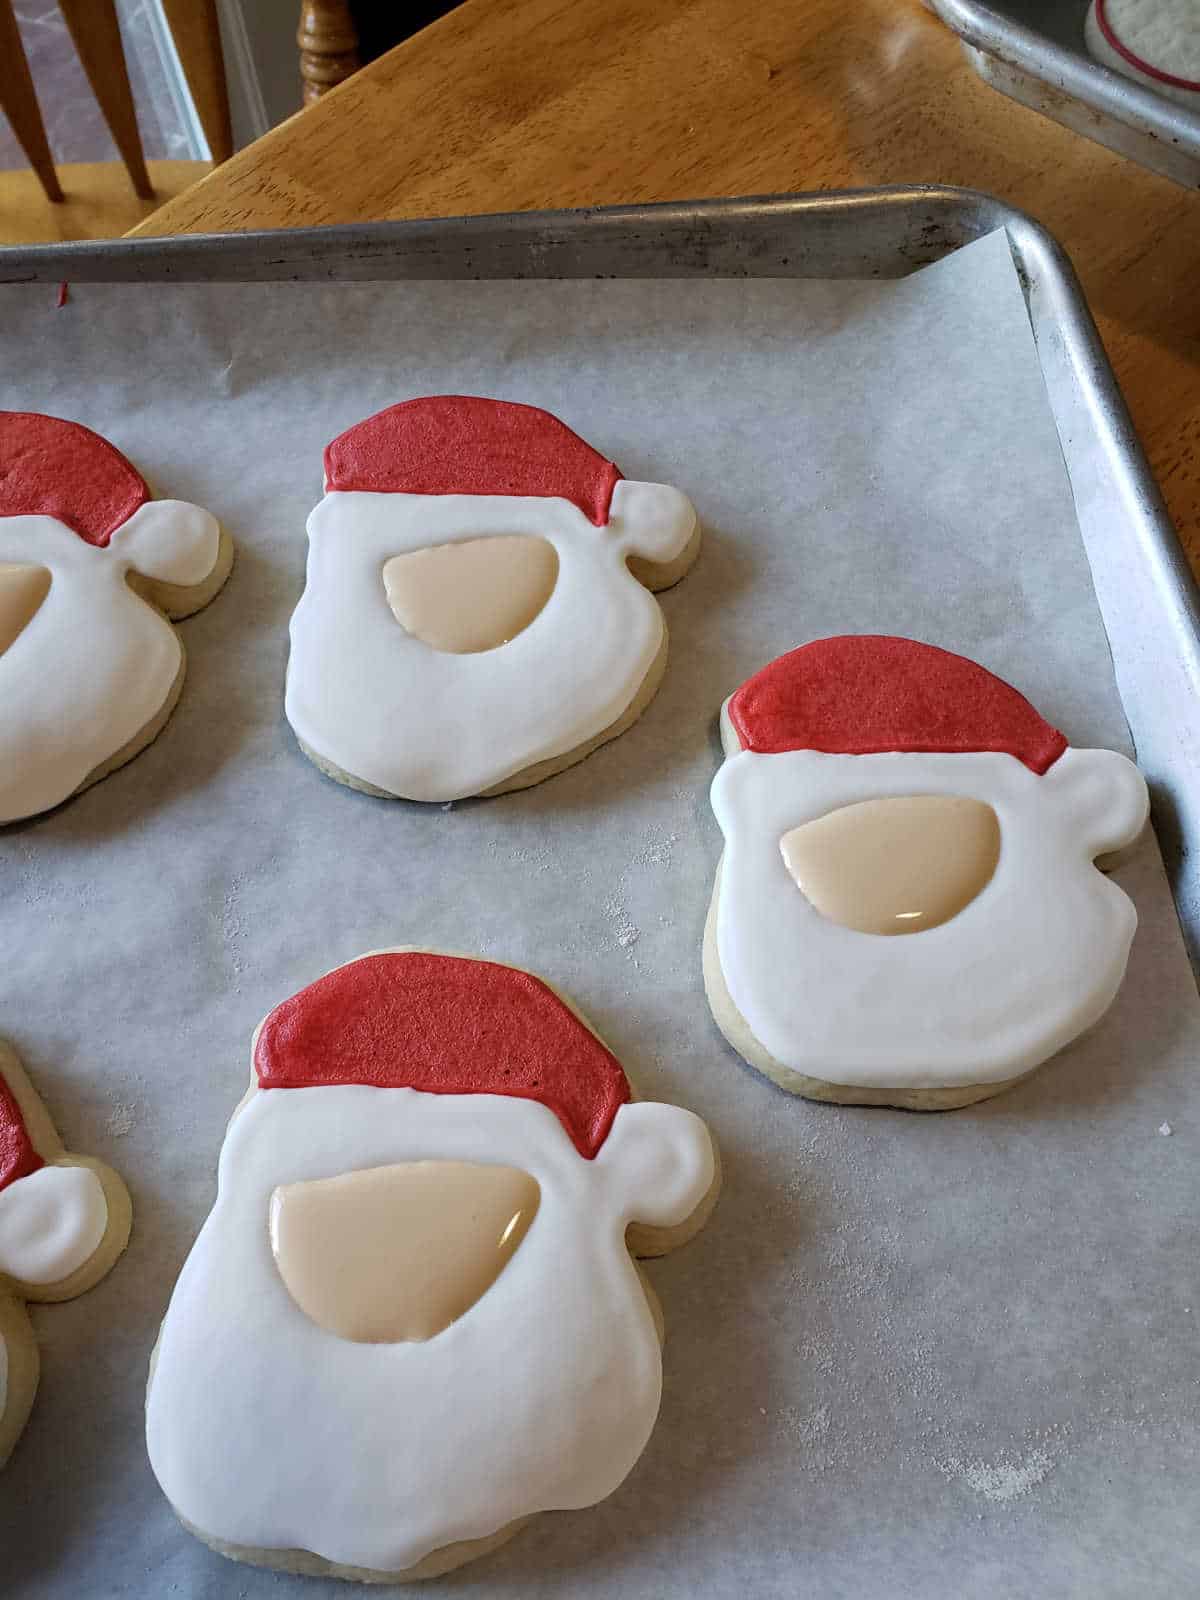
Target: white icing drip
[[385, 708], [265, 1430], [1165, 33], [51, 1222], [96, 663], [1035, 959]]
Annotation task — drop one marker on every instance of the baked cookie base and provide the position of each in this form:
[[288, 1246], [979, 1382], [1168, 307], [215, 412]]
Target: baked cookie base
[[179, 600], [642, 1241], [15, 1327], [306, 1565], [652, 576], [21, 1381], [52, 1150], [738, 1033], [144, 737], [176, 601], [647, 689]]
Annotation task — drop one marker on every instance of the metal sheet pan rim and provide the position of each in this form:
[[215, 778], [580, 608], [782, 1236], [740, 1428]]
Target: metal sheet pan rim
[[283, 253]]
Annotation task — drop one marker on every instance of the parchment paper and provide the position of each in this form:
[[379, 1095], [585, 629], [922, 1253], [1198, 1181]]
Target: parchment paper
[[911, 1355]]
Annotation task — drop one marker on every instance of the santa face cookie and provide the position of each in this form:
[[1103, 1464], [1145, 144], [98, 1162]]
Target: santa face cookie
[[1154, 42], [411, 1319], [476, 613], [90, 669], [64, 1220], [908, 911]]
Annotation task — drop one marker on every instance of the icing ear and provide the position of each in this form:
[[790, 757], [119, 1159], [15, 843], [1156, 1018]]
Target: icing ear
[[1105, 795], [50, 1224], [169, 541], [651, 520], [662, 1159]]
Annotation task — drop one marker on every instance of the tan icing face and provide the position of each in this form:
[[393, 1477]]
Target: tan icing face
[[22, 591], [398, 1253], [893, 866], [474, 595]]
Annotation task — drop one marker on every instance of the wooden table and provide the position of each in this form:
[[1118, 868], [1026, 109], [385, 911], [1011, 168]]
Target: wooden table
[[517, 104]]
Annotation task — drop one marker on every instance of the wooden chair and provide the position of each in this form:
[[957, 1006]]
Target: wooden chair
[[197, 34], [328, 43], [97, 38]]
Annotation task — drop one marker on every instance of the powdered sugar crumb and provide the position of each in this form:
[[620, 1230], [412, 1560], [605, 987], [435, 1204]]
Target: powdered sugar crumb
[[233, 930], [121, 1119], [1002, 1480], [867, 1385], [806, 1427], [625, 929], [656, 852], [539, 860], [817, 1355]]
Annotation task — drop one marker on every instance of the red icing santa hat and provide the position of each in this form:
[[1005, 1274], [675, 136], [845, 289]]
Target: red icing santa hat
[[53, 468], [459, 444], [444, 1025], [18, 1158], [865, 694]]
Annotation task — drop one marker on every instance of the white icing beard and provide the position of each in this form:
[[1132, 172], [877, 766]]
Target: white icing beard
[[1031, 962], [96, 663], [386, 708], [265, 1430], [51, 1222]]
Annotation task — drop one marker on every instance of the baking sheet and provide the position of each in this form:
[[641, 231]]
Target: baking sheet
[[909, 1355]]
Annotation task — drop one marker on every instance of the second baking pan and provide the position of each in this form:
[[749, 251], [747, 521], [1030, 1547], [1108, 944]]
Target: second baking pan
[[1034, 51]]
